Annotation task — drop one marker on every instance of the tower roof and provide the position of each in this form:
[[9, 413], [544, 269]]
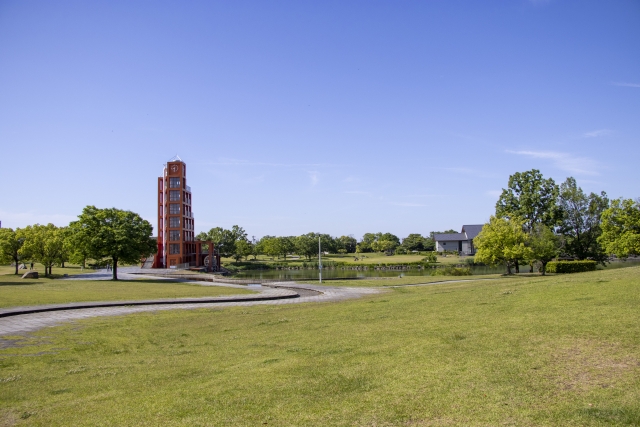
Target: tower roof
[[175, 158]]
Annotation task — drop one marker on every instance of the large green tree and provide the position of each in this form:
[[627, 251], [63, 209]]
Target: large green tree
[[366, 242], [118, 235], [379, 242], [76, 246], [243, 248], [348, 243], [544, 245], [414, 242], [44, 244], [10, 245], [581, 217], [307, 245], [531, 198], [621, 228], [502, 241], [224, 240]]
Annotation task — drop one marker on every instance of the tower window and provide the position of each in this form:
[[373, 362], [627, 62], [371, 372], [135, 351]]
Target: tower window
[[174, 248], [174, 195], [174, 208], [174, 221], [174, 236], [174, 182]]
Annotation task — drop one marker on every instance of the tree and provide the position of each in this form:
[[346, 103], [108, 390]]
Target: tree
[[531, 198], [121, 236], [268, 245], [386, 242], [307, 245], [224, 240], [244, 248], [347, 243], [581, 217], [502, 241], [44, 244], [414, 242], [621, 228], [75, 245], [366, 242], [67, 249], [285, 245], [544, 245], [10, 245]]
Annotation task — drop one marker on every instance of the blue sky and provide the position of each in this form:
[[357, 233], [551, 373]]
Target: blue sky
[[342, 117]]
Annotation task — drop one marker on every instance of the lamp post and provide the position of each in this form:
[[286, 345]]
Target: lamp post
[[320, 259]]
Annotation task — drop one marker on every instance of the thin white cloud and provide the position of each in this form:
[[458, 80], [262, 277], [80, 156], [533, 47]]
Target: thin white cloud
[[626, 84], [357, 192], [596, 133], [313, 176], [564, 161]]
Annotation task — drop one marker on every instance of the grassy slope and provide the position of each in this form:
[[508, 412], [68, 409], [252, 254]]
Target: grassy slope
[[562, 350], [15, 291]]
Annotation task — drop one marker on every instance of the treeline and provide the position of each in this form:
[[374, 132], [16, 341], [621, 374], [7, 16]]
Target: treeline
[[234, 243], [104, 235], [537, 220]]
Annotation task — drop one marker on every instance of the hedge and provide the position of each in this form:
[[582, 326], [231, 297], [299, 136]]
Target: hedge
[[571, 266]]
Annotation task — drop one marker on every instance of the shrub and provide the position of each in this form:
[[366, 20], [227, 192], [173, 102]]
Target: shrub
[[571, 266]]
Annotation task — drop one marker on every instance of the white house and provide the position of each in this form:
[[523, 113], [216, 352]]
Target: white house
[[460, 242]]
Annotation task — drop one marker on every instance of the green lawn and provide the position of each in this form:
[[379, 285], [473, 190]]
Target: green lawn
[[15, 291], [537, 351]]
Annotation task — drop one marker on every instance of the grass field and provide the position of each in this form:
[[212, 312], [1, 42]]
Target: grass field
[[15, 291], [538, 351]]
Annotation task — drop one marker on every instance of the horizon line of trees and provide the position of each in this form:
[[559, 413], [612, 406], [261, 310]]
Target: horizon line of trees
[[234, 243]]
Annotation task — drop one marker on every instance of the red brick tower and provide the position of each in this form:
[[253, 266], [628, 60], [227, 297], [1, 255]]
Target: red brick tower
[[177, 246]]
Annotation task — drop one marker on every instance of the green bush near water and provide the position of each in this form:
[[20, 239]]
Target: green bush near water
[[571, 266]]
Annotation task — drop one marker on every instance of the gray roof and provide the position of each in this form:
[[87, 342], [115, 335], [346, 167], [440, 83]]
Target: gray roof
[[449, 237], [472, 230]]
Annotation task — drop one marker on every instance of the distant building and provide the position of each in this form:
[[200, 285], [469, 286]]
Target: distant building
[[460, 242], [177, 245]]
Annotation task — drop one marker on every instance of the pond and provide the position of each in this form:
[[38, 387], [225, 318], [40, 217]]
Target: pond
[[338, 273]]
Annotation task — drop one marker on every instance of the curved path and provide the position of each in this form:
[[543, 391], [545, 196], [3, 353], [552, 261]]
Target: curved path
[[20, 320]]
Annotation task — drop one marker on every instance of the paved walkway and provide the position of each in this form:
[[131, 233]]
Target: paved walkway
[[22, 320]]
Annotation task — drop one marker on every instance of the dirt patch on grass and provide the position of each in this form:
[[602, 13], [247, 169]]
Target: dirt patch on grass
[[582, 365], [8, 419]]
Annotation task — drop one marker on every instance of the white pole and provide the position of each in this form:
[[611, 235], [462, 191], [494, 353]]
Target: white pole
[[320, 259]]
